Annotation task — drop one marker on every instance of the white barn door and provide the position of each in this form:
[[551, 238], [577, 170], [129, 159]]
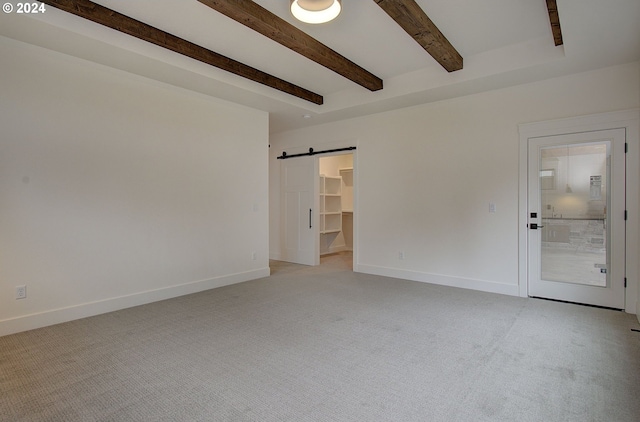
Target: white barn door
[[299, 210]]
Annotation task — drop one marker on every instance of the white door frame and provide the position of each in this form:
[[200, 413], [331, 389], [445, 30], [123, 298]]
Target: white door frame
[[325, 146], [353, 152], [628, 120]]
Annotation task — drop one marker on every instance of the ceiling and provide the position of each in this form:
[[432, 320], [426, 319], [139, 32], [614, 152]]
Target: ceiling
[[503, 43]]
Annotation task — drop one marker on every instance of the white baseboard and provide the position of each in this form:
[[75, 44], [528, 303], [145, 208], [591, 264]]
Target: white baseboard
[[57, 316], [444, 280], [335, 249], [632, 306]]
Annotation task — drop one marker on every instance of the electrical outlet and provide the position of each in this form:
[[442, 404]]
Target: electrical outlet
[[254, 256], [400, 255], [21, 292]]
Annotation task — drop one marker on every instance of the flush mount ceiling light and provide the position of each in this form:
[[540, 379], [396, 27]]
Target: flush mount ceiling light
[[316, 11]]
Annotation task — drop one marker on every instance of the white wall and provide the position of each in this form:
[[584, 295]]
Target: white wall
[[116, 190], [331, 165], [427, 174]]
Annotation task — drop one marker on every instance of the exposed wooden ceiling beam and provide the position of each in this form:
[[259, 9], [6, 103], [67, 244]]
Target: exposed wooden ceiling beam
[[112, 19], [410, 16], [272, 26], [554, 18]]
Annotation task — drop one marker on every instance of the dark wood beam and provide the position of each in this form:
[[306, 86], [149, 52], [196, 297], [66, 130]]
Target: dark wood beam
[[554, 18], [112, 19], [409, 15], [272, 26]]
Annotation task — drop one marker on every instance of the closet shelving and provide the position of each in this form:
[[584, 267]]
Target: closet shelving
[[330, 204], [347, 189]]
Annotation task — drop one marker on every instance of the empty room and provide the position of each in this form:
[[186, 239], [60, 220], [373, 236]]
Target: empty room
[[320, 210]]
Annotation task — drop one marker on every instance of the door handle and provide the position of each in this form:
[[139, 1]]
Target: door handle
[[309, 217], [535, 226]]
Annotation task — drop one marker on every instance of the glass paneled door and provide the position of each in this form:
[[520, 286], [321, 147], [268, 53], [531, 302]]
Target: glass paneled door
[[576, 218]]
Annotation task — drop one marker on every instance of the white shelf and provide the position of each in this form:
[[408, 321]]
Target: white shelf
[[347, 189], [332, 185], [330, 204]]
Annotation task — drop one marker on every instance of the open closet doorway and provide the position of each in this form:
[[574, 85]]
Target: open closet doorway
[[336, 211]]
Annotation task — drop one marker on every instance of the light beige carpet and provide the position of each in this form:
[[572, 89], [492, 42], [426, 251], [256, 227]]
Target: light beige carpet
[[326, 344]]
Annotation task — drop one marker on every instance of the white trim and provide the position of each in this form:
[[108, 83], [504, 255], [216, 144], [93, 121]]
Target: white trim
[[589, 123], [625, 119], [443, 280], [335, 249], [354, 153], [355, 236], [57, 316]]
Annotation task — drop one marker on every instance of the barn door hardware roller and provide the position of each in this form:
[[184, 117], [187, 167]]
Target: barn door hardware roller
[[284, 155]]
